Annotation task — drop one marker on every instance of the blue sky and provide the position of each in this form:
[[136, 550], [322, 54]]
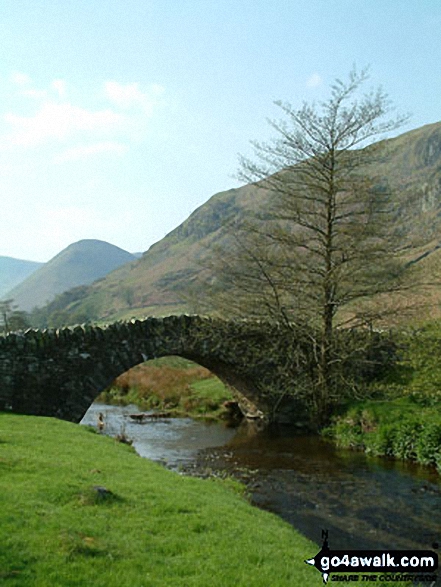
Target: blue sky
[[118, 118]]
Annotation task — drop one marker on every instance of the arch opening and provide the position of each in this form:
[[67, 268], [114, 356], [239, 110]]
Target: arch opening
[[176, 386]]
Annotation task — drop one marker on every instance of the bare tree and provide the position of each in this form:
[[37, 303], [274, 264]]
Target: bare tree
[[329, 241]]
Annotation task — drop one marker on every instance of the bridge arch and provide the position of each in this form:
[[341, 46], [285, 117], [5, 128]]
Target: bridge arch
[[61, 372]]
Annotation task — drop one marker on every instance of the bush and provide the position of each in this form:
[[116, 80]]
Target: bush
[[438, 461], [404, 439], [380, 442], [420, 358], [428, 444], [347, 434]]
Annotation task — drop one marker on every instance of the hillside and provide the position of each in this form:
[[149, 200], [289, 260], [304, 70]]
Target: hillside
[[79, 264], [13, 271], [155, 284]]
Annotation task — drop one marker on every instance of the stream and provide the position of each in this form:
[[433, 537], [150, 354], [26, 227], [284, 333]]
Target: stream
[[364, 502]]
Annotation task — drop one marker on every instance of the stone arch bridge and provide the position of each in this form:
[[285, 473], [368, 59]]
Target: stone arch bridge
[[61, 372]]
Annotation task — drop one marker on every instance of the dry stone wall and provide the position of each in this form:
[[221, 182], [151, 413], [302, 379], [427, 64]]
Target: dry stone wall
[[61, 372]]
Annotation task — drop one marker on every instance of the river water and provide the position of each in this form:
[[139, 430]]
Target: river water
[[363, 502]]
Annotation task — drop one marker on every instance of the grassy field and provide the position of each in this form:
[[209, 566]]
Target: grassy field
[[145, 527]]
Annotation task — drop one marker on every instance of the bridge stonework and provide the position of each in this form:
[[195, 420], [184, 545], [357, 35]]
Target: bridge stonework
[[61, 372]]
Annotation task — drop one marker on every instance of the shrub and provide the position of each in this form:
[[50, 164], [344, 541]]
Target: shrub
[[404, 439], [347, 434], [380, 442], [438, 461], [428, 444], [368, 421]]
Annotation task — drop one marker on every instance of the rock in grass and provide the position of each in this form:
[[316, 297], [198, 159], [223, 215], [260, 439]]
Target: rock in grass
[[103, 492]]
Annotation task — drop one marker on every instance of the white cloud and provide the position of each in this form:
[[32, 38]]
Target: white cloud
[[127, 96], [35, 94], [314, 81], [59, 122], [56, 121], [24, 82], [89, 150], [59, 86], [20, 79]]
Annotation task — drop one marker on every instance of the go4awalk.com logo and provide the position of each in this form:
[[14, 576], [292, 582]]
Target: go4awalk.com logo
[[388, 565]]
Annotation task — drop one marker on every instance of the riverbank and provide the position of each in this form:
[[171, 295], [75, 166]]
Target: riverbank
[[401, 428], [173, 385], [402, 417], [79, 508]]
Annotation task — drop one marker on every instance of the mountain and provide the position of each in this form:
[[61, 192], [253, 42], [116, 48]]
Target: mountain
[[155, 283], [13, 271], [77, 265]]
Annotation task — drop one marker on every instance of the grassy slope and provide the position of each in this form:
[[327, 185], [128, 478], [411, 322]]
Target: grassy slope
[[159, 529]]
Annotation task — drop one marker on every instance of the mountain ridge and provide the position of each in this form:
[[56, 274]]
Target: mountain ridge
[[13, 271], [78, 264], [154, 284]]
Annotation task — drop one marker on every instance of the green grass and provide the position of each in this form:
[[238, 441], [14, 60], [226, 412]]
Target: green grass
[[153, 528]]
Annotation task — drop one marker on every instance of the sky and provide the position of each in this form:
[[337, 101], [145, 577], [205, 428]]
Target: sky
[[118, 118]]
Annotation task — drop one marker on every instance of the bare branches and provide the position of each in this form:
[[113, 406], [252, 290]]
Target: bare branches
[[330, 240]]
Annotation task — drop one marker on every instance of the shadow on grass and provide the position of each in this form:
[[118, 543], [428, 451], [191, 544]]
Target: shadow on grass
[[74, 544], [15, 567]]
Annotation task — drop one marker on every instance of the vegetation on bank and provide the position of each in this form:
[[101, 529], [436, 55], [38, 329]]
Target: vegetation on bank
[[78, 508], [171, 384], [402, 419], [398, 428]]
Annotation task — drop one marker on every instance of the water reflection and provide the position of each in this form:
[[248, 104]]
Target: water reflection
[[363, 502], [175, 442]]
